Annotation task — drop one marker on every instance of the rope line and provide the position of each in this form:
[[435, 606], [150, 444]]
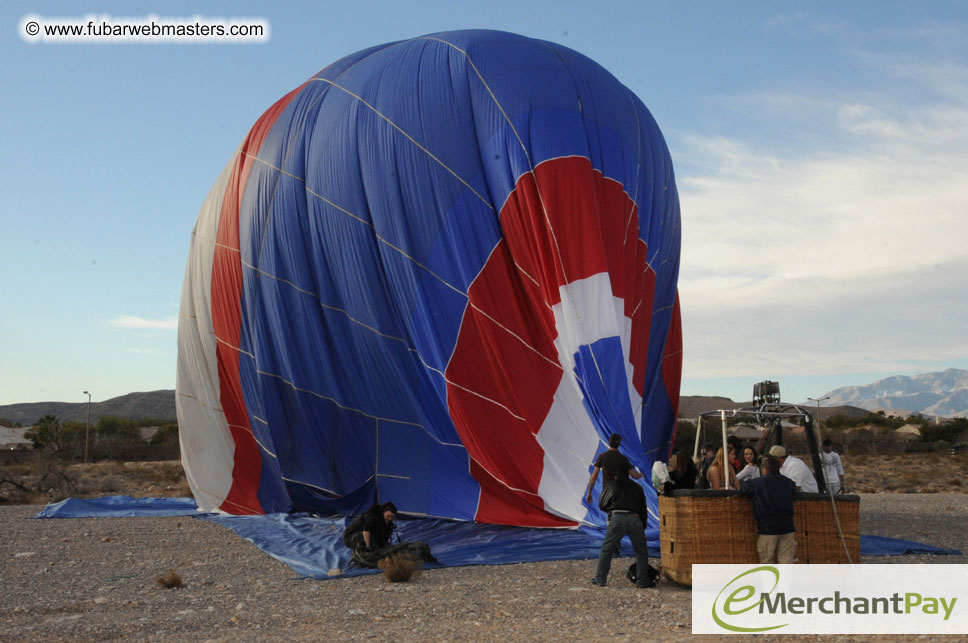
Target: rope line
[[408, 137], [541, 200]]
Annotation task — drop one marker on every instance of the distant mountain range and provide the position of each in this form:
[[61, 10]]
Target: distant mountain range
[[691, 406], [159, 405], [943, 394]]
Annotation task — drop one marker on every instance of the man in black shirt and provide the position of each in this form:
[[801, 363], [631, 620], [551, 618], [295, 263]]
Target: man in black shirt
[[615, 466], [624, 501], [773, 510]]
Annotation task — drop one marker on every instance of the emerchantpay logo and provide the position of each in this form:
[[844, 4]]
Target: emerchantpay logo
[[830, 599]]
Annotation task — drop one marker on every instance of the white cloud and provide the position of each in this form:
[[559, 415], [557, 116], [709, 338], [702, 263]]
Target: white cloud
[[848, 258], [131, 321]]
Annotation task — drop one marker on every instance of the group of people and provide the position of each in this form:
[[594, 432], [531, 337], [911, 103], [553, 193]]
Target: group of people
[[770, 482], [712, 474]]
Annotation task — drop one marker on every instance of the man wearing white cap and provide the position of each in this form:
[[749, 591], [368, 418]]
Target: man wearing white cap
[[795, 469]]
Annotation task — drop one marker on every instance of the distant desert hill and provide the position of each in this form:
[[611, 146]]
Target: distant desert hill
[[853, 401], [158, 405], [690, 406]]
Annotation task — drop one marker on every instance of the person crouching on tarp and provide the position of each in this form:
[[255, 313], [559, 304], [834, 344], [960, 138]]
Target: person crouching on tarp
[[373, 529], [369, 538]]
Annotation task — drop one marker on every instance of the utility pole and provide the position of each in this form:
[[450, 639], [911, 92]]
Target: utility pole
[[819, 421], [87, 431]]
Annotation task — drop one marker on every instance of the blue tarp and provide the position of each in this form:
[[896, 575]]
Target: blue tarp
[[884, 546], [311, 546], [119, 507]]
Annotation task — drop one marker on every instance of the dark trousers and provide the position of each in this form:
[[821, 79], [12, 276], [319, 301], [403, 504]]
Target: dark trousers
[[619, 525]]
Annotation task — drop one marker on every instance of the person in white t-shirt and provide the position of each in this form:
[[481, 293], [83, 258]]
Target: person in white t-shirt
[[833, 468], [795, 469]]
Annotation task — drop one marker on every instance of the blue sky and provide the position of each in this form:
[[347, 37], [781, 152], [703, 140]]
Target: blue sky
[[820, 150]]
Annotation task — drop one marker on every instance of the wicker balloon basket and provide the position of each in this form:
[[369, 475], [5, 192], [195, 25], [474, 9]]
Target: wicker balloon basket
[[718, 527]]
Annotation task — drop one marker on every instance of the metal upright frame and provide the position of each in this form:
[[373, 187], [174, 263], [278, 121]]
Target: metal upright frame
[[767, 414]]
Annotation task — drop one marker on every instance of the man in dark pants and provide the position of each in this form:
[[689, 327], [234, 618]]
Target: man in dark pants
[[626, 517], [773, 510]]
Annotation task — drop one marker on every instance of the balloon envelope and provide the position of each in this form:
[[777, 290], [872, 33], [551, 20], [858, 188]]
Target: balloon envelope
[[441, 272]]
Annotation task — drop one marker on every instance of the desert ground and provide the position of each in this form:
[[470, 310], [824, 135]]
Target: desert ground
[[98, 579]]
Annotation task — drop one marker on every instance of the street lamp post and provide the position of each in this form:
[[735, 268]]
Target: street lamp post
[[818, 401], [87, 431]]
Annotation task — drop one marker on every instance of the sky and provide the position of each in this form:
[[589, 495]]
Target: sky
[[820, 152]]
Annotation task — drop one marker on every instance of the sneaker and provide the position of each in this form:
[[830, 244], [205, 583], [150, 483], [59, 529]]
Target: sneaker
[[594, 581]]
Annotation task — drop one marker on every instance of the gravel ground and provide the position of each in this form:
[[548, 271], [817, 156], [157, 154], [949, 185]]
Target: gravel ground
[[94, 580]]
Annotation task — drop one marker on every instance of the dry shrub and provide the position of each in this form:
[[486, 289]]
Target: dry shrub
[[910, 477], [17, 469], [158, 478], [172, 473], [41, 480], [111, 484], [170, 580], [34, 498], [400, 568]]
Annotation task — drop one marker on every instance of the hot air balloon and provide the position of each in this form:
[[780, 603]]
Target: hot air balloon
[[442, 271]]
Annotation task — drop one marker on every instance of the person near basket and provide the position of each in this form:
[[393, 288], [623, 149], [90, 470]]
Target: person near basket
[[721, 477], [772, 495], [708, 454], [795, 469], [684, 473], [833, 468], [627, 516], [751, 467]]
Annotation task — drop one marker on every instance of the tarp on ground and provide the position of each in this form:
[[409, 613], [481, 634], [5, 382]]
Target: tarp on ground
[[311, 546], [884, 546], [119, 507]]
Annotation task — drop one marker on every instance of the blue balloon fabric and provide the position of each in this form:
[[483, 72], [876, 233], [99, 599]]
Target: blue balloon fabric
[[441, 272], [312, 546]]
